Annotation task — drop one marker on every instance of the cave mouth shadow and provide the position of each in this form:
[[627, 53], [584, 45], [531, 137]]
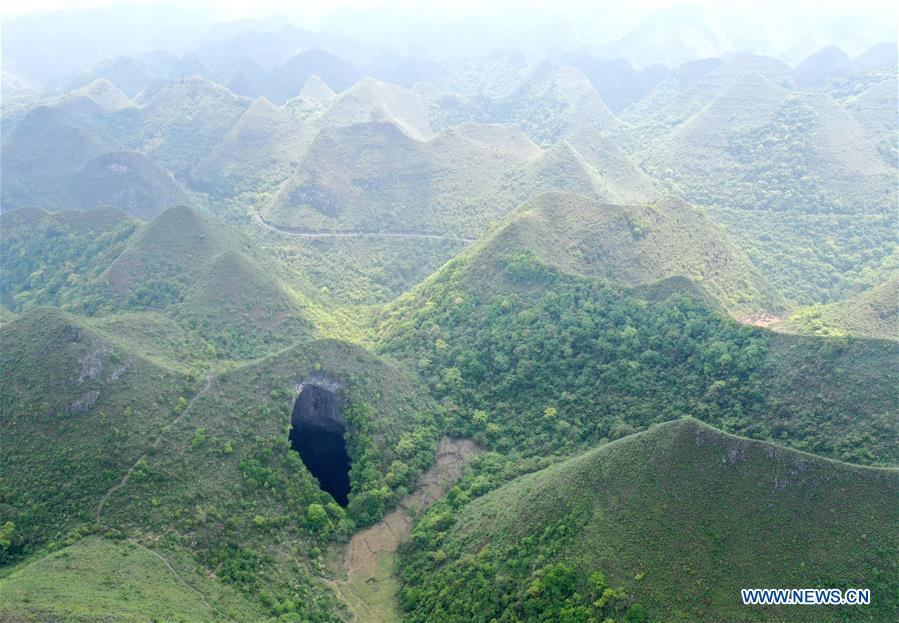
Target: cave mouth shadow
[[316, 434]]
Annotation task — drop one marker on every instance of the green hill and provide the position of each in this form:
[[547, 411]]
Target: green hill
[[530, 309], [316, 92], [815, 258], [691, 87], [873, 313], [86, 581], [185, 120], [40, 251], [175, 243], [755, 145], [105, 94], [209, 278], [208, 294], [547, 101], [198, 470], [372, 100], [131, 74], [126, 180], [43, 151], [825, 61], [676, 519], [374, 177], [874, 108], [635, 245], [616, 177], [290, 77], [261, 150], [551, 101], [64, 157], [66, 405]]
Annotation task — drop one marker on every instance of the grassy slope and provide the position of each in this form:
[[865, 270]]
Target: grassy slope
[[634, 245], [185, 120], [547, 101], [373, 177], [260, 151], [43, 151], [126, 180], [97, 580], [833, 397], [372, 100], [786, 150], [683, 516], [212, 281], [872, 313], [210, 467], [362, 271], [77, 411], [56, 258], [225, 483], [783, 174], [204, 289]]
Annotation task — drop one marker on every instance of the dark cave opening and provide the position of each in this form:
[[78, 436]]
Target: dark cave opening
[[317, 435]]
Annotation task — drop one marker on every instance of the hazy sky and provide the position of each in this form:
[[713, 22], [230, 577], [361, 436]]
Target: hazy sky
[[311, 10]]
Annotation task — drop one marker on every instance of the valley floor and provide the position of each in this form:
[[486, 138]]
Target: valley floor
[[369, 583]]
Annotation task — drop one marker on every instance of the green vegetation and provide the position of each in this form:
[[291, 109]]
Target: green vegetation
[[548, 103], [775, 164], [874, 313], [680, 517], [57, 259], [497, 332], [77, 412], [634, 245], [210, 294], [373, 177], [491, 257], [96, 580], [363, 270], [815, 258]]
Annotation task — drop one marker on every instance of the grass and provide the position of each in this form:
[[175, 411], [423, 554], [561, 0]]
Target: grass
[[96, 579], [518, 324], [362, 271], [682, 516], [374, 177], [77, 412], [174, 347], [815, 258], [872, 313], [634, 245]]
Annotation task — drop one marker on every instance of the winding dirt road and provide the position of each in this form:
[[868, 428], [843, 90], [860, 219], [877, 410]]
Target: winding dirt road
[[288, 231]]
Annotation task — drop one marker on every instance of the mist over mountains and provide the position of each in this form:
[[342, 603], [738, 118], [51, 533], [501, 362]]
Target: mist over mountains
[[594, 308]]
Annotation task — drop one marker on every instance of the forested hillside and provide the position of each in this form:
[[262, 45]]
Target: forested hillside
[[545, 314]]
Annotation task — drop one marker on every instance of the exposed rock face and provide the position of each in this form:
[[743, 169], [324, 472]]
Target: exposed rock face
[[317, 407]]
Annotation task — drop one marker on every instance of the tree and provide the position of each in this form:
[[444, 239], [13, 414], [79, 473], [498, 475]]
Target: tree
[[7, 535], [316, 517]]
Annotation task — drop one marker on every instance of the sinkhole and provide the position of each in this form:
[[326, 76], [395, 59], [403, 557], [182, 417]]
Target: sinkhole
[[317, 435]]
